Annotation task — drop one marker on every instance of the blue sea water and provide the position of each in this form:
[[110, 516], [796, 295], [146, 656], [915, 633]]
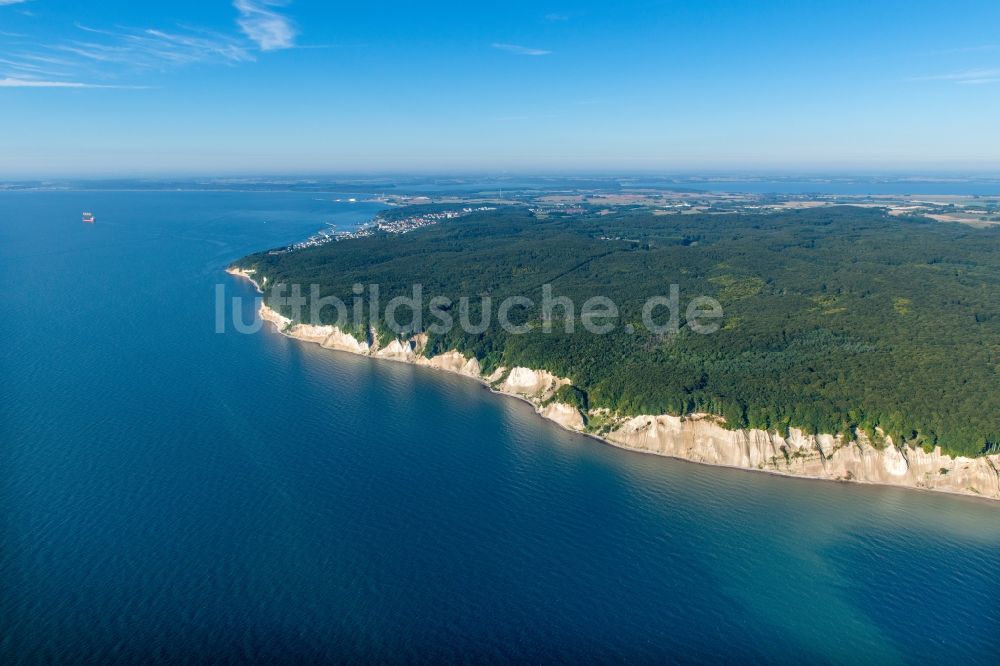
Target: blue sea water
[[168, 493]]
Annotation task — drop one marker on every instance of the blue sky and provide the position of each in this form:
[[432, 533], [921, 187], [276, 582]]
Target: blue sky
[[251, 86]]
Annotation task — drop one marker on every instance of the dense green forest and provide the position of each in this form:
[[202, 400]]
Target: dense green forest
[[834, 318]]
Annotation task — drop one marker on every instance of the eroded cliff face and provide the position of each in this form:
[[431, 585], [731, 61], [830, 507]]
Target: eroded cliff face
[[531, 383], [698, 437], [453, 361], [565, 415], [701, 438]]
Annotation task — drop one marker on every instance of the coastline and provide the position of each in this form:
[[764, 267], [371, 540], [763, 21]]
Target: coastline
[[698, 438]]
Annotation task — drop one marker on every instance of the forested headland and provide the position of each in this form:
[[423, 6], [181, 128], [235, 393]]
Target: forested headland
[[835, 319]]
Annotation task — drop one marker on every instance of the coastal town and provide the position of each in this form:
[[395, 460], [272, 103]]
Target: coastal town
[[382, 224], [976, 211]]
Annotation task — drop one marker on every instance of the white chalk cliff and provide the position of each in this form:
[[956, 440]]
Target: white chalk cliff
[[701, 438], [697, 437]]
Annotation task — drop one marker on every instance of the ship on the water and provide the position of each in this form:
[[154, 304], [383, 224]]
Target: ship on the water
[[88, 218]]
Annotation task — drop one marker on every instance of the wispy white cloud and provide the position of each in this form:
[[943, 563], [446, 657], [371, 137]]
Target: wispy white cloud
[[199, 47], [12, 2], [152, 48], [267, 28], [32, 69], [98, 57], [967, 77], [520, 50], [105, 57], [37, 83]]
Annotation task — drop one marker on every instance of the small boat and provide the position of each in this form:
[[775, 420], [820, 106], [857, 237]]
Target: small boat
[[88, 218]]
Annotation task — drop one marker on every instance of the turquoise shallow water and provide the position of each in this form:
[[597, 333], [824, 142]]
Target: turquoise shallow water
[[170, 493]]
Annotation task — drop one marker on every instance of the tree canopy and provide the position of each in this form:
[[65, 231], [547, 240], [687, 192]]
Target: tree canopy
[[835, 318]]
